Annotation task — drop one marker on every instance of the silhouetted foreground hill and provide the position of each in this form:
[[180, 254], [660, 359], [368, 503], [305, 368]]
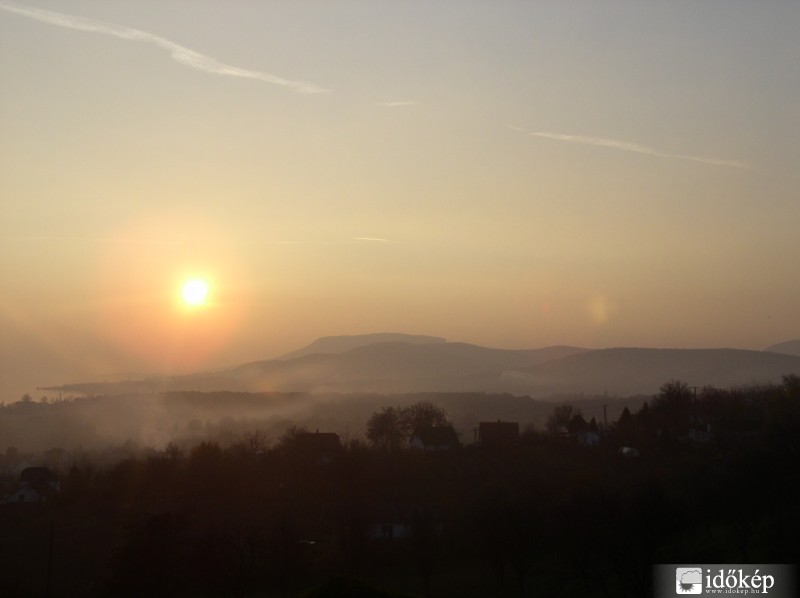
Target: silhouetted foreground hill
[[433, 366]]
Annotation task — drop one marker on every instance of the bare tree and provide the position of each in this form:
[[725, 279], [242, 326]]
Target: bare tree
[[385, 429], [559, 420], [390, 427]]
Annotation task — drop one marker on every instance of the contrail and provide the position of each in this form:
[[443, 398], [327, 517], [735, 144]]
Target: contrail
[[637, 148], [371, 239], [179, 53]]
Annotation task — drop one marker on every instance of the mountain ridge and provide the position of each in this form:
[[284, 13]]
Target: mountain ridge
[[343, 343], [430, 365], [786, 348], [624, 370]]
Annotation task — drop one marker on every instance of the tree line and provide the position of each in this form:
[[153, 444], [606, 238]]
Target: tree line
[[545, 516]]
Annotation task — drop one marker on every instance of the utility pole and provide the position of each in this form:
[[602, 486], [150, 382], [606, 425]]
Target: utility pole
[[605, 418]]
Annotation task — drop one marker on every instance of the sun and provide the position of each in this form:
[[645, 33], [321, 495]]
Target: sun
[[195, 292]]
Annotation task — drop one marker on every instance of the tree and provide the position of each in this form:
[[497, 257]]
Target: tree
[[423, 415], [625, 427], [577, 424], [385, 429], [672, 405], [253, 444], [559, 420], [791, 385], [390, 427], [288, 439], [782, 417]]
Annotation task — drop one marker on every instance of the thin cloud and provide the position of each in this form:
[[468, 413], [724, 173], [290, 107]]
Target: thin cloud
[[637, 148], [180, 54], [397, 104], [371, 239]]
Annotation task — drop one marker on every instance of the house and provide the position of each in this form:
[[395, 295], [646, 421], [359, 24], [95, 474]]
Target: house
[[498, 433], [435, 438], [37, 485]]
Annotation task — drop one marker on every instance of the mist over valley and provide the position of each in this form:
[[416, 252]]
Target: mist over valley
[[334, 384]]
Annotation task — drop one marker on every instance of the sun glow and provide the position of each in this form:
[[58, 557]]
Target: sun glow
[[195, 292]]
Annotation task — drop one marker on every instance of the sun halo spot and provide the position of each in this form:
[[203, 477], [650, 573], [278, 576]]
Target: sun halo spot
[[195, 292]]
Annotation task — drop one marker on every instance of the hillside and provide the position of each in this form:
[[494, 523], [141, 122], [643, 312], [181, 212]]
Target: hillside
[[787, 348], [629, 371], [342, 344], [395, 367]]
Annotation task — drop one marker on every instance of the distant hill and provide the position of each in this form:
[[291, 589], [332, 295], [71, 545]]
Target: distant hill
[[396, 367], [341, 344], [425, 366], [438, 366], [787, 348], [629, 371]]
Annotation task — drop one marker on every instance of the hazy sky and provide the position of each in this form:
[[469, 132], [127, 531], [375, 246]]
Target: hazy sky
[[511, 174]]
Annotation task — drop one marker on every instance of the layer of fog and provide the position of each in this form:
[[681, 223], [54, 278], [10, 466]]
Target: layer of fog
[[186, 418]]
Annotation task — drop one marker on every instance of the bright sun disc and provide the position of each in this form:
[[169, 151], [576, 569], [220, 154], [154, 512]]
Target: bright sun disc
[[195, 291]]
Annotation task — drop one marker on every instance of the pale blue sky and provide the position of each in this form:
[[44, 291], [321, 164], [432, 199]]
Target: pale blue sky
[[514, 174]]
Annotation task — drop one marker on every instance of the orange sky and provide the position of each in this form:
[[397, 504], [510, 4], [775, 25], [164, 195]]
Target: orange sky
[[502, 173]]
